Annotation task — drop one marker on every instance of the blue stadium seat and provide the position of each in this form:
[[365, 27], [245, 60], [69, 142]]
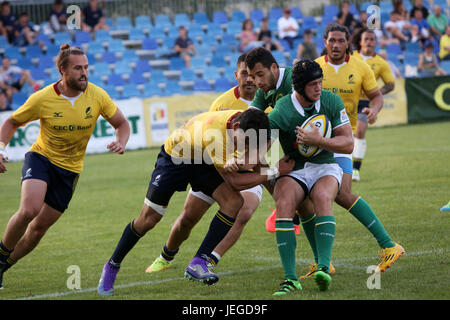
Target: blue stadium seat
[[158, 76], [25, 63], [110, 23], [219, 17], [223, 49], [123, 23], [163, 21], [275, 13], [172, 87], [115, 80], [150, 44], [296, 13], [130, 90], [143, 22], [109, 57], [122, 67], [169, 42], [188, 74], [62, 38], [201, 18], [173, 32], [218, 61], [256, 15], [394, 49], [116, 45], [157, 33], [82, 37], [204, 50], [234, 27], [222, 84], [209, 40], [42, 39], [96, 47], [97, 80], [3, 42], [130, 55], [214, 29], [195, 30], [46, 62], [38, 74], [309, 23], [211, 73], [446, 66], [18, 99], [33, 51], [101, 69], [229, 40], [238, 16], [354, 9], [366, 4], [198, 63], [387, 6], [151, 90], [137, 34], [12, 53], [330, 10], [102, 36], [137, 78], [177, 63], [52, 50], [182, 19], [413, 47], [201, 85], [143, 66], [162, 52], [411, 58]]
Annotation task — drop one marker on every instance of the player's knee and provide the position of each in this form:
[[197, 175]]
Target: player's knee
[[38, 230], [345, 199], [186, 222], [244, 215], [232, 204], [285, 209], [147, 220], [28, 213]]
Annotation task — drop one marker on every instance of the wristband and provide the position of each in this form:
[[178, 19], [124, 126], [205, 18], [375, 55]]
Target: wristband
[[272, 173]]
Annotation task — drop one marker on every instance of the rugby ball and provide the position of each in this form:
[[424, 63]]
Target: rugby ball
[[321, 122]]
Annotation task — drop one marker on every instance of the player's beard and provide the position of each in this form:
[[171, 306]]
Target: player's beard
[[272, 81], [75, 84]]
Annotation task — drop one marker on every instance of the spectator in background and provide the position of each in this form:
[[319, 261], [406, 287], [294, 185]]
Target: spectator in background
[[345, 18], [428, 63], [418, 4], [437, 21], [93, 18], [184, 46], [12, 78], [265, 36], [288, 27], [444, 45], [248, 36], [24, 31], [4, 105], [423, 27], [8, 20], [307, 49], [399, 7], [399, 31], [58, 17]]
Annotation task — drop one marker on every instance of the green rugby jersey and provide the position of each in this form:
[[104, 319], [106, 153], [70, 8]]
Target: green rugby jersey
[[263, 100], [288, 113]]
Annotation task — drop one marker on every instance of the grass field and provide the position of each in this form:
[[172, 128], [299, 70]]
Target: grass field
[[405, 178]]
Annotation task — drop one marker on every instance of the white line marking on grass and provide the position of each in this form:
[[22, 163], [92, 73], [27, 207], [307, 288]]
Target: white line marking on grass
[[338, 262]]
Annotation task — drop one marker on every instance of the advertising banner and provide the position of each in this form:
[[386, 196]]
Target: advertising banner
[[394, 110]]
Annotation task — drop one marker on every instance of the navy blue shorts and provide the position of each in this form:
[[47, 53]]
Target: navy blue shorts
[[361, 105], [168, 177], [60, 182]]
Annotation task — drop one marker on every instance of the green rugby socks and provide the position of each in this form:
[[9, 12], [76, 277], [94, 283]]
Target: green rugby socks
[[287, 243]]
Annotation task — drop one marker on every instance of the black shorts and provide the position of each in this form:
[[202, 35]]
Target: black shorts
[[361, 105], [168, 177], [61, 183]]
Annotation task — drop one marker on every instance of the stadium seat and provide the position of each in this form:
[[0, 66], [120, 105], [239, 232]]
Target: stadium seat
[[151, 90], [238, 16], [130, 90], [223, 49], [137, 34], [211, 73], [172, 87], [446, 66], [256, 15], [38, 74], [387, 6], [97, 80], [82, 37], [204, 50], [230, 41], [123, 23], [296, 13], [214, 29], [169, 42], [116, 45], [413, 47], [25, 63], [162, 21], [330, 10], [219, 17], [162, 52], [12, 53], [143, 22], [198, 63], [275, 13], [201, 18], [137, 78], [122, 67], [52, 50], [234, 27], [411, 58], [109, 57], [130, 55], [46, 62], [222, 84], [149, 44], [110, 23], [157, 33], [195, 30], [309, 23], [33, 51], [96, 47], [3, 42], [101, 69], [182, 19], [209, 40], [394, 49], [188, 74], [218, 60], [115, 80], [173, 32], [18, 99], [201, 85], [177, 63], [61, 38], [158, 76], [143, 66]]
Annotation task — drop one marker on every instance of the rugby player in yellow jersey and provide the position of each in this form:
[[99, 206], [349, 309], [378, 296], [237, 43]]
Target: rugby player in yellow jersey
[[197, 203], [200, 154], [365, 43], [348, 77], [68, 111]]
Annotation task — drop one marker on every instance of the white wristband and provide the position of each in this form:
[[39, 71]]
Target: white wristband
[[272, 173]]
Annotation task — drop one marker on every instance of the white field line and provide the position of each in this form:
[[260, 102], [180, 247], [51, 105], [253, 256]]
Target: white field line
[[338, 263]]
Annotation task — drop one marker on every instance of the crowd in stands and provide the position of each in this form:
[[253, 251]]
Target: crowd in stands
[[180, 55]]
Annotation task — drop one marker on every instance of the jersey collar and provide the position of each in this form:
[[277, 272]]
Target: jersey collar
[[55, 87], [299, 107], [347, 58], [280, 77]]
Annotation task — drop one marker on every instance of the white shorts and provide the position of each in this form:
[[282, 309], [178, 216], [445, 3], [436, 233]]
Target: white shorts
[[312, 172], [257, 190]]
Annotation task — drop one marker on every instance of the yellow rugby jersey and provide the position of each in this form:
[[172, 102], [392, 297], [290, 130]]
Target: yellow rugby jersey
[[348, 81], [230, 100], [65, 128], [205, 132], [379, 66]]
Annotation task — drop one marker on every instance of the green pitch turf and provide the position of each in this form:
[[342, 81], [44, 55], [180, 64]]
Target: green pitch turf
[[405, 178]]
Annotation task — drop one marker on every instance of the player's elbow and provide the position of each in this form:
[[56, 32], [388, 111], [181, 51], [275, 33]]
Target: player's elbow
[[349, 146]]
